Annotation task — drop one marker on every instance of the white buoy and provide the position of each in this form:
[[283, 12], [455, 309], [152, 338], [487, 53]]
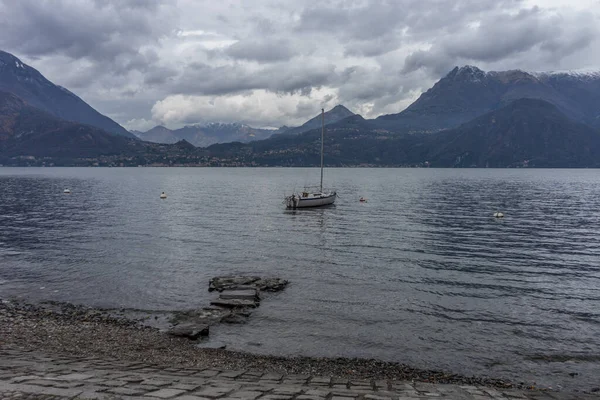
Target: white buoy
[[163, 195], [67, 191], [498, 215]]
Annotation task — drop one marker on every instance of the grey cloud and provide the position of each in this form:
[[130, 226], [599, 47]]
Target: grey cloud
[[159, 75], [503, 35], [374, 55], [203, 79], [101, 30], [261, 50]]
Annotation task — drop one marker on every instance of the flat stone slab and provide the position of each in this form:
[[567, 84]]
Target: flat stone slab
[[247, 294], [234, 303], [222, 283], [166, 393]]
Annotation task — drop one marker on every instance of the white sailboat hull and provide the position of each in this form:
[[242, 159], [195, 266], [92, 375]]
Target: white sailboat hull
[[308, 199], [297, 201]]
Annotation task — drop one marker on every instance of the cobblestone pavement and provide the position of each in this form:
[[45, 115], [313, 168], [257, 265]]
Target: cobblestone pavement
[[32, 375]]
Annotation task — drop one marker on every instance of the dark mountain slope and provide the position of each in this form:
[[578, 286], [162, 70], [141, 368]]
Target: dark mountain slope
[[28, 131], [158, 134], [28, 84], [468, 92], [332, 116], [205, 135], [527, 132]]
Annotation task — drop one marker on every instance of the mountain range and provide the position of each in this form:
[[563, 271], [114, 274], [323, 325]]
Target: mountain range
[[469, 118], [29, 131], [468, 92], [205, 135], [32, 87]]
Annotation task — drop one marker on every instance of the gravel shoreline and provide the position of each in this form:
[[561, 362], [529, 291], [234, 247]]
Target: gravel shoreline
[[65, 329]]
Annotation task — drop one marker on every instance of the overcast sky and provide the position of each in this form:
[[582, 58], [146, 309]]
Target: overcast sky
[[269, 63]]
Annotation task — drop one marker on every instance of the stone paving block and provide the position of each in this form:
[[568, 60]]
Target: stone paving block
[[156, 382], [298, 382], [381, 385], [360, 382], [317, 393], [184, 386], [245, 395], [271, 377], [112, 383], [339, 386], [132, 379], [212, 392], [39, 382], [291, 390], [126, 391], [41, 390], [52, 383], [209, 373], [258, 388], [189, 397], [74, 377], [225, 385], [342, 398], [375, 397], [254, 373], [513, 394], [320, 380], [339, 381], [231, 374], [276, 397], [92, 395], [165, 393], [19, 379], [297, 376], [96, 380]]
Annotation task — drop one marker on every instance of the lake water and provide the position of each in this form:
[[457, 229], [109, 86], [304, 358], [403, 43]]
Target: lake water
[[420, 274]]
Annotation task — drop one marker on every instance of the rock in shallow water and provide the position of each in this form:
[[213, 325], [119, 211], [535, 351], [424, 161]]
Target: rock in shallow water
[[222, 283], [271, 284], [234, 303], [190, 331], [247, 294]]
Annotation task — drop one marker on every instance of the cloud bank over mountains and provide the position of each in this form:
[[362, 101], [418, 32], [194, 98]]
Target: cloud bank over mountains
[[268, 63]]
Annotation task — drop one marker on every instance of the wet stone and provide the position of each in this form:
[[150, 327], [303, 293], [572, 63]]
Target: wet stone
[[166, 393], [245, 395], [249, 294], [156, 382], [212, 392], [234, 303], [190, 330], [126, 391], [184, 386]]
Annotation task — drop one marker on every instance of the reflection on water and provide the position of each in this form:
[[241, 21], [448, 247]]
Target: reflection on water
[[421, 273]]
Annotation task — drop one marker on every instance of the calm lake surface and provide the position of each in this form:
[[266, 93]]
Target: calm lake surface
[[420, 274]]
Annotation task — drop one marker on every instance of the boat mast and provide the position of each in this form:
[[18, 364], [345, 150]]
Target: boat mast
[[322, 135]]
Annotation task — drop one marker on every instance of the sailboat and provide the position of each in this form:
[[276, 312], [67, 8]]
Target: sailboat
[[308, 198]]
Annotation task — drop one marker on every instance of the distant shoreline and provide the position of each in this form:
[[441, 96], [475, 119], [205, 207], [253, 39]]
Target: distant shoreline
[[291, 167]]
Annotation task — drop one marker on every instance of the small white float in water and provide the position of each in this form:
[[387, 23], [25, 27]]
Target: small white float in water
[[163, 195], [67, 191], [498, 215]]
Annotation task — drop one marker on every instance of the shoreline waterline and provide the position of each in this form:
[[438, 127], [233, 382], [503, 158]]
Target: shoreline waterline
[[84, 331]]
